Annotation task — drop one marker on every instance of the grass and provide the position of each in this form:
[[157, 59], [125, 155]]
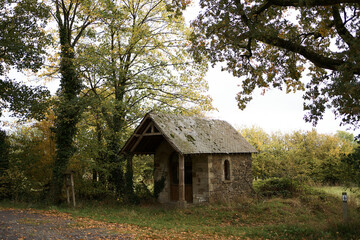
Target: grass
[[312, 215], [353, 193]]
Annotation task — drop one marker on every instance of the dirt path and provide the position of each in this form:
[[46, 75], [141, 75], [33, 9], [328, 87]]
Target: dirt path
[[35, 224]]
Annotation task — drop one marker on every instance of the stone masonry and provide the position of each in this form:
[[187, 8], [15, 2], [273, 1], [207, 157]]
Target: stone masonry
[[240, 182]]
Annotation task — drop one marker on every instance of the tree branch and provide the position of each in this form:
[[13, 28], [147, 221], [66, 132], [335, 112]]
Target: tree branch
[[341, 29], [83, 27], [317, 59], [299, 3], [309, 3]]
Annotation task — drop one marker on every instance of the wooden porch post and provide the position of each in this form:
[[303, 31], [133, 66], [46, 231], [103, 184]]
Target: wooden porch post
[[182, 201]]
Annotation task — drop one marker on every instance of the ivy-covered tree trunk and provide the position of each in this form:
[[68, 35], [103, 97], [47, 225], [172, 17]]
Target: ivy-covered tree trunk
[[68, 109], [67, 112], [117, 125], [129, 184], [116, 162], [123, 181]]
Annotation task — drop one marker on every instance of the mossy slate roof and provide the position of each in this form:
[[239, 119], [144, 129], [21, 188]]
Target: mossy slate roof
[[194, 135]]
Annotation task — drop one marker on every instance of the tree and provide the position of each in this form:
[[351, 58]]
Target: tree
[[353, 162], [22, 100], [31, 158], [22, 46], [4, 152], [4, 164], [137, 62], [72, 18], [22, 39], [305, 156], [268, 43]]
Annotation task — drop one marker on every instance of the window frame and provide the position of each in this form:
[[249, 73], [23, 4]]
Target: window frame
[[226, 170]]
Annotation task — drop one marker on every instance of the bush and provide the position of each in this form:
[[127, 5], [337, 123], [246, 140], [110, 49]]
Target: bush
[[142, 191], [277, 187], [86, 189], [159, 186]]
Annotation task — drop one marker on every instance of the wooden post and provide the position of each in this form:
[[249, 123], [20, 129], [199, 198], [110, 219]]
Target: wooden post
[[67, 194], [182, 201], [67, 184], [73, 189], [69, 180], [345, 207]]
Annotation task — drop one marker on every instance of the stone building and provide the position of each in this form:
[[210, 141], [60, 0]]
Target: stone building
[[201, 160]]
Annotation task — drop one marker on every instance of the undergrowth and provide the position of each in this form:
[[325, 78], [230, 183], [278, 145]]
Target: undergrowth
[[311, 214]]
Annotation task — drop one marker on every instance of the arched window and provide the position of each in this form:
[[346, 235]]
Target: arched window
[[227, 170]]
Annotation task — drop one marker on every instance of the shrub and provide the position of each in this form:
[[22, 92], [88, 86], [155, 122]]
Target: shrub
[[159, 186], [277, 187], [86, 189], [142, 191]]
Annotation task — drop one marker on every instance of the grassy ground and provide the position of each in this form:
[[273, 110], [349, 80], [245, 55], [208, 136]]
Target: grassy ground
[[314, 214], [336, 191]]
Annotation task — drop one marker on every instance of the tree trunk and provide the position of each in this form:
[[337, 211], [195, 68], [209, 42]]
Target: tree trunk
[[67, 113], [117, 125], [129, 191]]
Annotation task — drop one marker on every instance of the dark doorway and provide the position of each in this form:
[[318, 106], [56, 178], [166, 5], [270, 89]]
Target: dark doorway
[[174, 178]]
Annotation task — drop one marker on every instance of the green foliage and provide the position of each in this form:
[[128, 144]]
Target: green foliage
[[22, 43], [143, 169], [30, 160], [142, 66], [159, 186], [23, 40], [4, 165], [304, 156], [353, 160], [87, 189], [277, 187], [22, 100], [4, 151], [268, 43]]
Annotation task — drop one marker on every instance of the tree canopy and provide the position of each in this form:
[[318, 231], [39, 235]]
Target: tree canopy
[[22, 39], [270, 42], [22, 100], [22, 46], [306, 156]]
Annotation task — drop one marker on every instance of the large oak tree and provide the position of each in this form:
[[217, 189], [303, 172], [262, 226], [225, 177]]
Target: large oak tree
[[270, 42]]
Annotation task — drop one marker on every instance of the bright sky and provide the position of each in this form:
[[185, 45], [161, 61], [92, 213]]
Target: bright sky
[[274, 111]]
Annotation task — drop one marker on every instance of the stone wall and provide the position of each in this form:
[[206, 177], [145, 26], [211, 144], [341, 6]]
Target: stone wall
[[208, 178], [240, 182], [200, 178], [161, 168]]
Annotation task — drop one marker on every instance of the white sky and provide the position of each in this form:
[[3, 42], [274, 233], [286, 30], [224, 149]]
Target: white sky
[[274, 111]]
